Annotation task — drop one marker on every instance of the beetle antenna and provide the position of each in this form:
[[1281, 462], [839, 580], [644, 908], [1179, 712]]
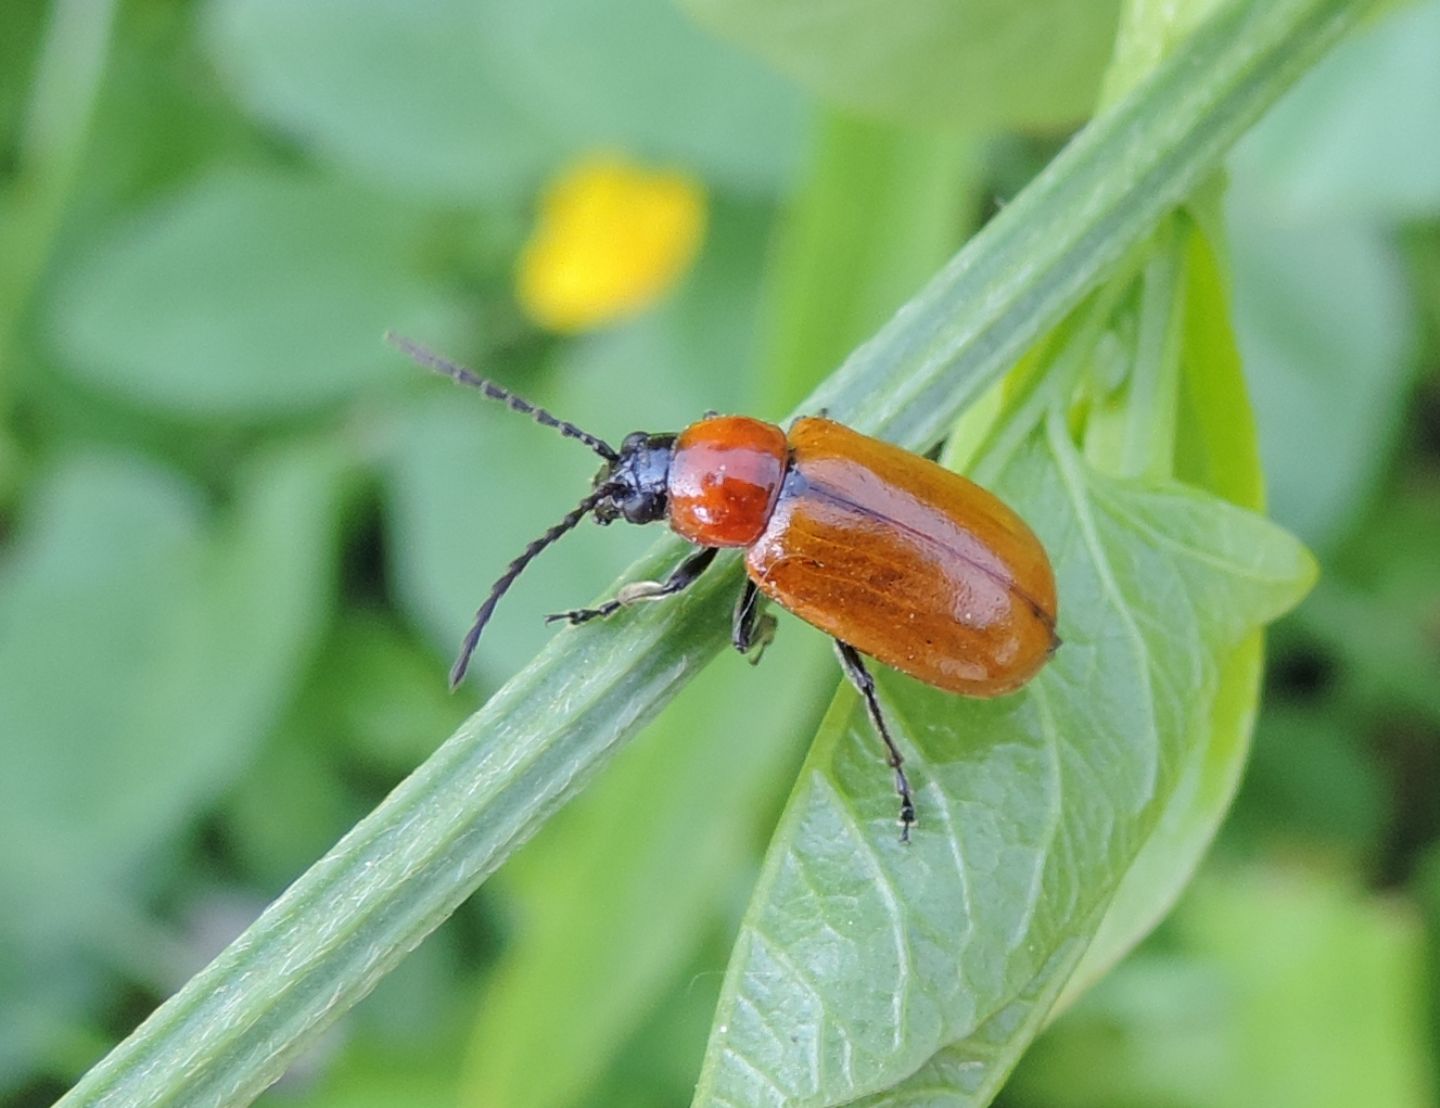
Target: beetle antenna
[[497, 590], [430, 360]]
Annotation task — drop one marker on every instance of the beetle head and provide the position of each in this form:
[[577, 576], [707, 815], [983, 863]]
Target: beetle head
[[633, 486]]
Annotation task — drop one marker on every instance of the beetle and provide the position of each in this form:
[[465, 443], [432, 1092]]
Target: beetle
[[893, 556]]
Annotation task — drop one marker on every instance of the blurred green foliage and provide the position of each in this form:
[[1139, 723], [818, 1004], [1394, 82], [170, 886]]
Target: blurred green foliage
[[240, 538]]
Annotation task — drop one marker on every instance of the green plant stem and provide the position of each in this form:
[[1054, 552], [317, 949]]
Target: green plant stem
[[1096, 200], [1133, 434], [402, 870], [1149, 445], [1149, 32]]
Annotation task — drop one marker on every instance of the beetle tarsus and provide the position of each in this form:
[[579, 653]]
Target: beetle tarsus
[[577, 616], [907, 820], [854, 667], [764, 635], [751, 628], [681, 578]]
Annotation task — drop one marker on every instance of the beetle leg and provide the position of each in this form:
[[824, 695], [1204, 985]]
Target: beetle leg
[[752, 629], [854, 667], [681, 578], [820, 413]]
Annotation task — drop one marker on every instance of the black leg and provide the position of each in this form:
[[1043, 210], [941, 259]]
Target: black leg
[[823, 413], [681, 578], [752, 627], [860, 677]]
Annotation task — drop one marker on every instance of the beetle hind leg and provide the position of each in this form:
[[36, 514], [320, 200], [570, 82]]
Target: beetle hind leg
[[752, 629], [681, 578], [819, 413], [854, 667]]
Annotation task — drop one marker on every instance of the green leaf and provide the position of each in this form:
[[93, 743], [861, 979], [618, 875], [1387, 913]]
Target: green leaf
[[1193, 813], [246, 294], [1356, 137], [291, 803], [1425, 885], [1326, 320], [1217, 444], [1215, 449], [1327, 331], [368, 1076], [963, 63], [1279, 985], [402, 870], [1315, 778], [177, 646], [176, 643], [641, 77], [45, 155], [405, 93], [1306, 962], [657, 1067], [377, 692], [1032, 807], [467, 103], [1374, 613]]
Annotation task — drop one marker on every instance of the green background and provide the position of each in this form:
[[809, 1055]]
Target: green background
[[240, 537]]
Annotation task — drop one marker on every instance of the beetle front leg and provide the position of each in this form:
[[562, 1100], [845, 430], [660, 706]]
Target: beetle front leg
[[752, 629], [681, 578], [854, 667]]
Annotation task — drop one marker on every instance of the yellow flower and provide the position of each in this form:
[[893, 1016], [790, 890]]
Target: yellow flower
[[612, 238]]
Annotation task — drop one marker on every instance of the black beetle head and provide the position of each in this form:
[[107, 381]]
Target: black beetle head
[[634, 483]]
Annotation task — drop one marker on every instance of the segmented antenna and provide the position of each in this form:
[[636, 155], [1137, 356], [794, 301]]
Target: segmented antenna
[[482, 617], [430, 360]]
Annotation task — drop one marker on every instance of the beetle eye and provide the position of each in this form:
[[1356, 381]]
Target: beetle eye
[[645, 506]]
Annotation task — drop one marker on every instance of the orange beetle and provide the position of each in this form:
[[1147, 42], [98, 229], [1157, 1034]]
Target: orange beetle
[[891, 555]]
